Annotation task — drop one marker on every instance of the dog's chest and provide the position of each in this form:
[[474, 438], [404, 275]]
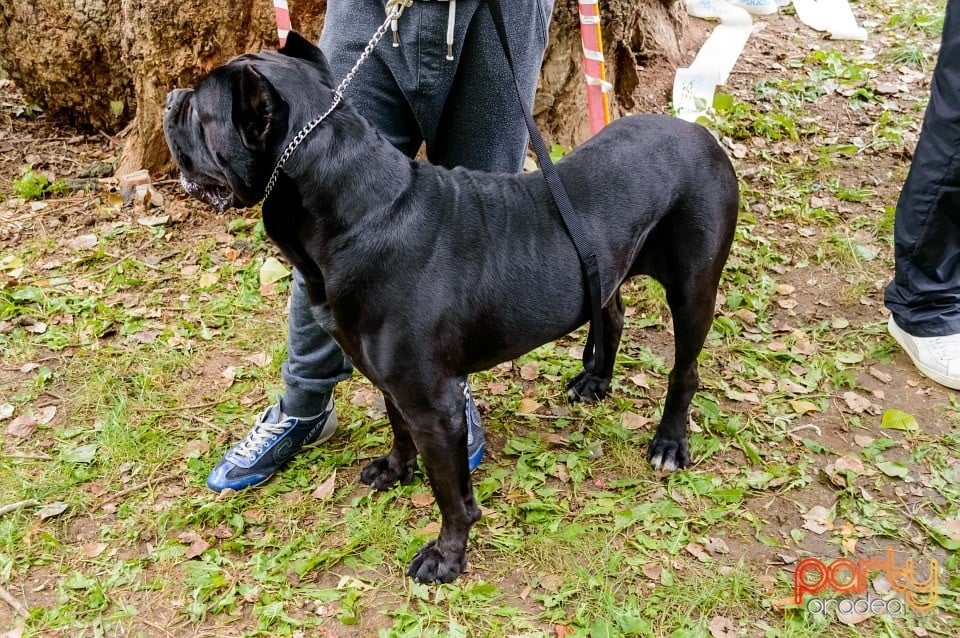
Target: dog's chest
[[324, 317]]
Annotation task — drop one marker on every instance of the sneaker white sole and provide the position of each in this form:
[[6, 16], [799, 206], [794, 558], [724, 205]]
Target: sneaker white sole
[[906, 343]]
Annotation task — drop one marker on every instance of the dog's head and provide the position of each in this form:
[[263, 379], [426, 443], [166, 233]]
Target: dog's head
[[226, 135]]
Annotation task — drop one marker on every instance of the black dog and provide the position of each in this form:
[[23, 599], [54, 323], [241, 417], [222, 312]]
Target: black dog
[[424, 274]]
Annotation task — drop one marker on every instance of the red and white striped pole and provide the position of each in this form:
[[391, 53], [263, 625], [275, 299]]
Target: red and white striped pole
[[282, 12], [598, 104]]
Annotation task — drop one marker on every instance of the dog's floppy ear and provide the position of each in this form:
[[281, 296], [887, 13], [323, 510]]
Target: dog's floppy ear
[[299, 47], [257, 109]]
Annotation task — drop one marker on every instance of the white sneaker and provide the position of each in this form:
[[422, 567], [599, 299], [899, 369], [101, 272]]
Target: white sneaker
[[936, 357]]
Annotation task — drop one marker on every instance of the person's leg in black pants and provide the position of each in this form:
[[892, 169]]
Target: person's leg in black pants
[[924, 296]]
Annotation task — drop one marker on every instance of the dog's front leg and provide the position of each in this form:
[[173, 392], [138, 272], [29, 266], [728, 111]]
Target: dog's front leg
[[399, 463], [440, 433]]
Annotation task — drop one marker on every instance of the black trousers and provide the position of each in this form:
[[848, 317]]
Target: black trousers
[[924, 295]]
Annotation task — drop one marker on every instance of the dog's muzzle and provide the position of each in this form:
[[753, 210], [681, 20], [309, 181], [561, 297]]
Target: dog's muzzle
[[217, 196]]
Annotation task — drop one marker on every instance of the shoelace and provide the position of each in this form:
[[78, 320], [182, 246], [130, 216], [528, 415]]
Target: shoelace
[[261, 436]]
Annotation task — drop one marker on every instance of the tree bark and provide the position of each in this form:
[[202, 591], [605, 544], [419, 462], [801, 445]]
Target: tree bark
[[108, 64]]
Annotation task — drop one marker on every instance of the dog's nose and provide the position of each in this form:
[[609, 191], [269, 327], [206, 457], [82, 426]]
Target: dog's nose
[[175, 96]]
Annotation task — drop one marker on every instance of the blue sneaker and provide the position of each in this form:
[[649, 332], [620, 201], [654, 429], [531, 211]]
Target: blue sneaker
[[476, 440], [274, 440]]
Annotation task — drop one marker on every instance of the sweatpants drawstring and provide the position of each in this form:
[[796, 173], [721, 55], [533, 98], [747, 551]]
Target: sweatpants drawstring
[[451, 23], [451, 20]]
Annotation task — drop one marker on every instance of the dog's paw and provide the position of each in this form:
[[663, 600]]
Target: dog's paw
[[385, 471], [587, 387], [431, 565], [668, 454]]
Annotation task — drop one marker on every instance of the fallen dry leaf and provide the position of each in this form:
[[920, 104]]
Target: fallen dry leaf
[[272, 271], [222, 532], [83, 242], [698, 551], [817, 520], [153, 220], [23, 426], [634, 421], [852, 618], [804, 348], [787, 304], [803, 407], [850, 463], [422, 499], [259, 359], [857, 403], [497, 388], [880, 375], [551, 583], [849, 544], [716, 546], [952, 528], [325, 489], [530, 371], [652, 571], [37, 327], [721, 627], [197, 547], [792, 387], [208, 278], [786, 602], [92, 550], [17, 632], [529, 406], [45, 414], [744, 397], [560, 471], [195, 449], [253, 514], [748, 317]]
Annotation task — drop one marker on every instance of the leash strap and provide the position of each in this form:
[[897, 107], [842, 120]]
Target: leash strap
[[593, 357]]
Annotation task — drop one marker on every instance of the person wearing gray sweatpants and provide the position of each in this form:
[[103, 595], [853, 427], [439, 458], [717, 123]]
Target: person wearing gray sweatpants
[[446, 87]]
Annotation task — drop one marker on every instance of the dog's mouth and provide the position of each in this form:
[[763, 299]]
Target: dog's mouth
[[218, 196]]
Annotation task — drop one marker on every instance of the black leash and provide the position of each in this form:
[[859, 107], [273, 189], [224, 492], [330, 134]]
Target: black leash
[[593, 357]]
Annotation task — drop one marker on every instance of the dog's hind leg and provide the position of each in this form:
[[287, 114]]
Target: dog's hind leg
[[590, 384], [439, 428], [691, 297], [399, 463]]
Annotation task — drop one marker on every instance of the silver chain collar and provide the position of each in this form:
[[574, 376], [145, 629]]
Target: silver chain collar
[[394, 9]]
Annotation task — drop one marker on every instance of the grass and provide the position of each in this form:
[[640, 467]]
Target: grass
[[134, 355]]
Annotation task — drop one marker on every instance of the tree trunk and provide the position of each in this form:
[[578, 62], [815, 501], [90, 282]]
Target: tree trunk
[[67, 58], [634, 32], [106, 64]]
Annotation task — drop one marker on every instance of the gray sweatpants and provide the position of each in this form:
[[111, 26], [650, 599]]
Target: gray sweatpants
[[464, 111]]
